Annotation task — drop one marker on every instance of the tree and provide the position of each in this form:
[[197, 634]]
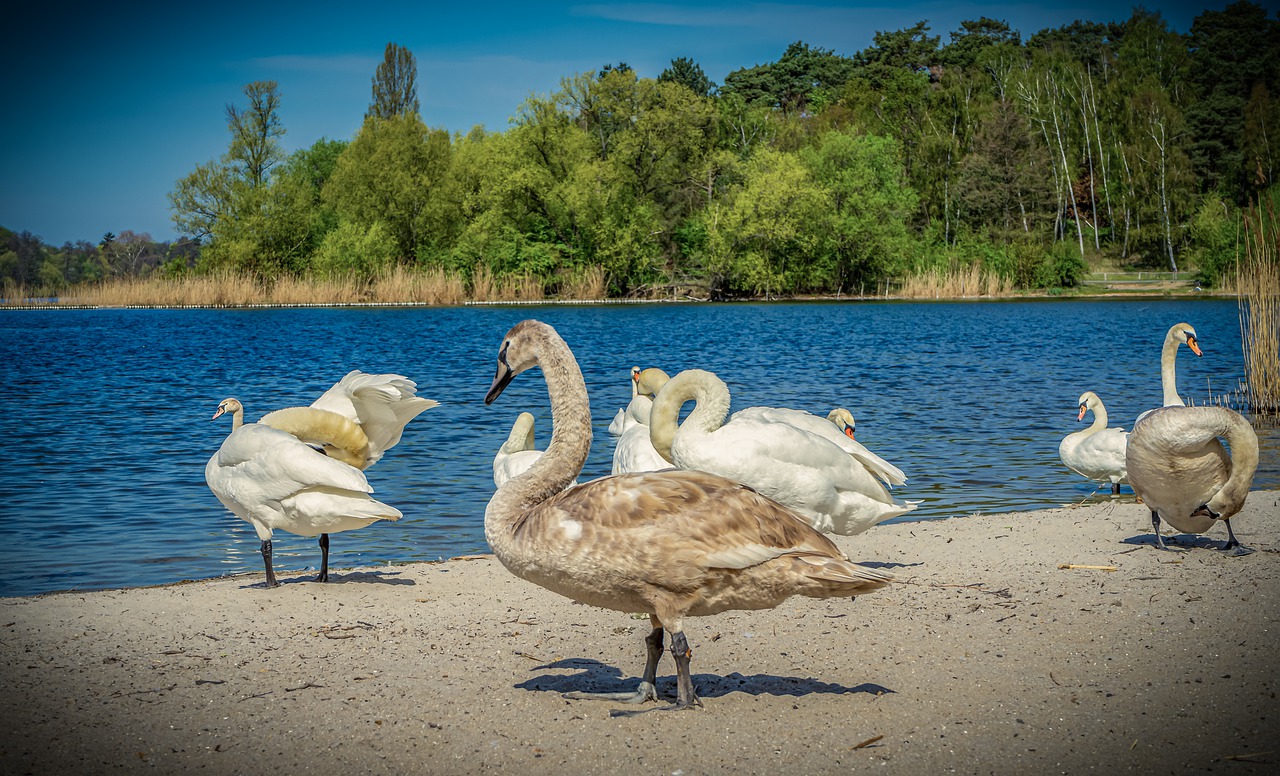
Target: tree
[[973, 37], [802, 77], [687, 73], [218, 193], [395, 85]]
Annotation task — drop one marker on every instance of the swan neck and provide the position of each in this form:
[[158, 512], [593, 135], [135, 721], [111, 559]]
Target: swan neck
[[237, 418], [1244, 464], [711, 407], [1169, 372], [570, 443], [1099, 418]]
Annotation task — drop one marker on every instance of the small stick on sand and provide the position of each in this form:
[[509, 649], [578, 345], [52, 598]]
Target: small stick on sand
[[1083, 566], [870, 741]]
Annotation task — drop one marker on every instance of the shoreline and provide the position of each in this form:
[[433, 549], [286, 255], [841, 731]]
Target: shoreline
[[1006, 644]]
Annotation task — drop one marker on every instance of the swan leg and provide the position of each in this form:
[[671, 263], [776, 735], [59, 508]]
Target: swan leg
[[324, 558], [1233, 545], [1155, 526], [266, 559], [1115, 489], [686, 697], [647, 690]]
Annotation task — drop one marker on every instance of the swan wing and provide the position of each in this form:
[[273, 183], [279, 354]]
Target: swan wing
[[383, 404]]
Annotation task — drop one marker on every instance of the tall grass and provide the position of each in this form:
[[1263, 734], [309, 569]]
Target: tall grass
[[1258, 281], [584, 284], [959, 283]]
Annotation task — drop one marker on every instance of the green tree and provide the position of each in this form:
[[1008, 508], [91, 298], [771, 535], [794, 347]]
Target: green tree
[[689, 74], [974, 37], [396, 172], [871, 205], [219, 193], [803, 77], [395, 84]]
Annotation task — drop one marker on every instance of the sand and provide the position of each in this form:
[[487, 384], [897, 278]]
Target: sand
[[987, 656]]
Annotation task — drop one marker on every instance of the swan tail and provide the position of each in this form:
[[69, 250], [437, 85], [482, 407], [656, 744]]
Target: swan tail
[[836, 577]]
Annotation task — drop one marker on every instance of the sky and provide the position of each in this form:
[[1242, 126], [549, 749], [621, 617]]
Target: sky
[[111, 104]]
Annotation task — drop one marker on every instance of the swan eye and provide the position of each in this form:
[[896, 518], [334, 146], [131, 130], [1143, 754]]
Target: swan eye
[[502, 354]]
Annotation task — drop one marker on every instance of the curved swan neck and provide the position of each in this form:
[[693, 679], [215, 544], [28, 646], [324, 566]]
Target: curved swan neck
[[237, 418], [570, 443], [522, 435], [711, 407], [1244, 463], [1169, 371], [1099, 416]]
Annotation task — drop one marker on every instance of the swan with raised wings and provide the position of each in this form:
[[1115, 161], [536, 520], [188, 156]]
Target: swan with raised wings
[[1185, 476], [1096, 453], [354, 422], [273, 480], [813, 476], [634, 451], [671, 543]]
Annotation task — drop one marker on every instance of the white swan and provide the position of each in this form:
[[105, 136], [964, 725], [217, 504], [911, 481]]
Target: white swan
[[671, 543], [380, 405], [1096, 453], [518, 453], [837, 428], [630, 415], [634, 451], [807, 473], [272, 480], [1178, 334], [1185, 476]]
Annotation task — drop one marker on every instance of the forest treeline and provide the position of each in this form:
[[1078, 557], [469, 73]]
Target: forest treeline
[[1124, 145]]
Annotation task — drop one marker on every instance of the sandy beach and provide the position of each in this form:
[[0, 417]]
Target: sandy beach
[[1055, 641]]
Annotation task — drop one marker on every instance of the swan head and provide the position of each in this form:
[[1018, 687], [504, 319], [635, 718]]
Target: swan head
[[519, 351], [228, 405], [1182, 332], [843, 420], [1088, 401], [650, 381]]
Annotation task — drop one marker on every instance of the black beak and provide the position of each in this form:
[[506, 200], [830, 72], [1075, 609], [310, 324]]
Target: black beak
[[501, 378]]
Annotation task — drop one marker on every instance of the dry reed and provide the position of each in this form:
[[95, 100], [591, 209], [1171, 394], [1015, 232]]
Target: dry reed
[[1258, 279], [430, 286], [959, 283], [582, 284]]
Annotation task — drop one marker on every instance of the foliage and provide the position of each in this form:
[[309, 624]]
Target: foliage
[[395, 85]]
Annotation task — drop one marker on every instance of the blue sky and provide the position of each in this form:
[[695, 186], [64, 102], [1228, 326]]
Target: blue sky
[[109, 105]]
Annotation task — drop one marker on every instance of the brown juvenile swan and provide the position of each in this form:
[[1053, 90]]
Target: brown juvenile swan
[[671, 543]]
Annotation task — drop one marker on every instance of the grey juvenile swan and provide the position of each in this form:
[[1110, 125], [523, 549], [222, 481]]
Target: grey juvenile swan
[[671, 543]]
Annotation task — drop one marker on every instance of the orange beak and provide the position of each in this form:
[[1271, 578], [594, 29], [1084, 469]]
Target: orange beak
[[216, 414], [1195, 346], [848, 431], [1083, 409]]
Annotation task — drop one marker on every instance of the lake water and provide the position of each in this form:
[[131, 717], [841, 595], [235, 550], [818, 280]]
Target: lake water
[[107, 412]]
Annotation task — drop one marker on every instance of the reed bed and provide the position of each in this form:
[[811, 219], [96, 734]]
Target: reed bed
[[958, 283], [583, 284], [431, 286], [488, 287], [1258, 281]]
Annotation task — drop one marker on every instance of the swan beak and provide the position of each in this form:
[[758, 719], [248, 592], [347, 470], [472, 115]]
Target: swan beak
[[1195, 346], [1083, 409], [221, 410], [848, 431], [501, 379], [1204, 511]]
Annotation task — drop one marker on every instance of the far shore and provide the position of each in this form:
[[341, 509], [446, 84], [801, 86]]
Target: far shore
[[1054, 641]]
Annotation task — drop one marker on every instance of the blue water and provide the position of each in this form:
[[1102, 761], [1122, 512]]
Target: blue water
[[107, 428]]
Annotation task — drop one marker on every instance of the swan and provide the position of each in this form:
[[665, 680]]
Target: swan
[[673, 543], [634, 451], [1096, 453], [629, 415], [838, 428], [518, 453], [810, 474], [1178, 334], [1184, 475], [358, 419], [271, 479]]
